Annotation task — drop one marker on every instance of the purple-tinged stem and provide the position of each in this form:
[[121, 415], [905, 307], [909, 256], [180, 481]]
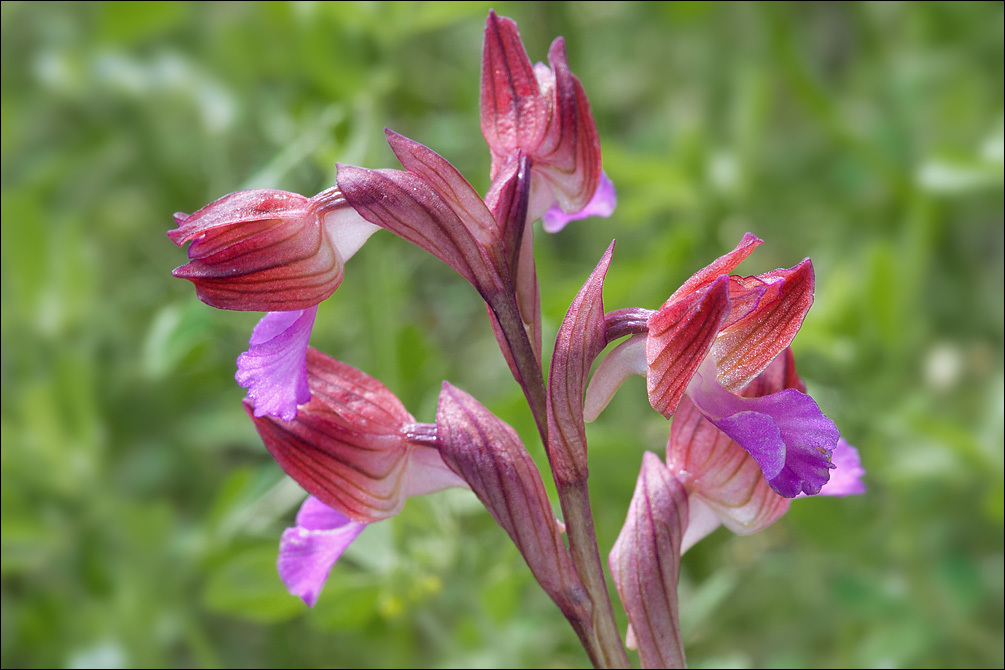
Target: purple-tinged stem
[[628, 321], [575, 501], [530, 378], [603, 644]]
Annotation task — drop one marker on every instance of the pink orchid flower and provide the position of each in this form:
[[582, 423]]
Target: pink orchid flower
[[352, 447], [542, 113], [359, 453], [710, 339], [708, 480], [277, 252]]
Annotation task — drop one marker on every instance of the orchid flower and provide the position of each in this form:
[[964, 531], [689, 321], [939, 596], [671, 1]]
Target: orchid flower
[[278, 252], [542, 113], [710, 339], [359, 453], [354, 446], [708, 480]]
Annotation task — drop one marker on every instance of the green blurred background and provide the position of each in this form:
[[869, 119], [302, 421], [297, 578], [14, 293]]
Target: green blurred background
[[141, 513]]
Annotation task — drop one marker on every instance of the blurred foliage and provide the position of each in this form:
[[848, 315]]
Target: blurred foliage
[[140, 513]]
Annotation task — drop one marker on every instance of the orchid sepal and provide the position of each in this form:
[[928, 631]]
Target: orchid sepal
[[512, 110], [681, 334], [348, 445], [580, 339], [757, 333], [268, 250]]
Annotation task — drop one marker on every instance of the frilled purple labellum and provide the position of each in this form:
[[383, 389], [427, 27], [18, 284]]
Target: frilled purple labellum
[[309, 550], [785, 432], [725, 482]]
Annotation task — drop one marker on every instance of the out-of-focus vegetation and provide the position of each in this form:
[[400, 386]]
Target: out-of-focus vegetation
[[141, 513]]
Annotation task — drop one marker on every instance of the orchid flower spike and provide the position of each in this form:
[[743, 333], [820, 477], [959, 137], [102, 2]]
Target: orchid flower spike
[[277, 252], [712, 337]]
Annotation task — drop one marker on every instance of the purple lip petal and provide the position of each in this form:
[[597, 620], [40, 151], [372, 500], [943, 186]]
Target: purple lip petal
[[785, 432], [603, 202], [273, 369], [846, 477], [308, 551]]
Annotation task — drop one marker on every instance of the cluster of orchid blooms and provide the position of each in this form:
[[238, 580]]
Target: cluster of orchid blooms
[[745, 437]]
